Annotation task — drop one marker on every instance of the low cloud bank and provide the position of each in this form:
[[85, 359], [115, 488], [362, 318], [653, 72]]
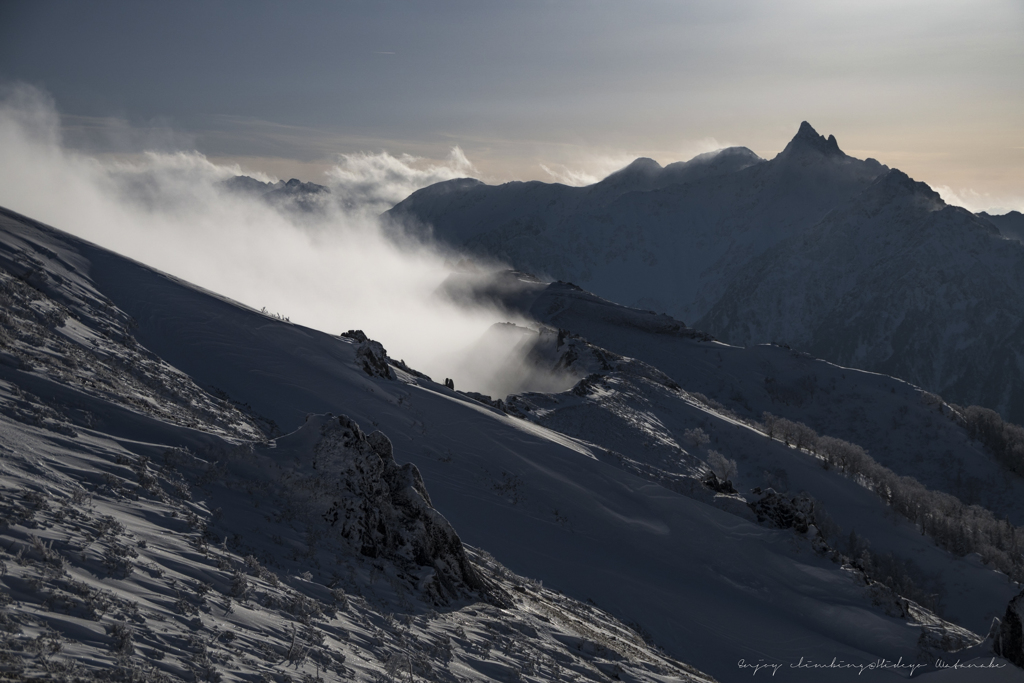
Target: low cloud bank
[[376, 182], [332, 270]]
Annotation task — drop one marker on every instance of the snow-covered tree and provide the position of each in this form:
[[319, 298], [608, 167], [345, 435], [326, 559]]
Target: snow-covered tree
[[724, 468], [697, 437]]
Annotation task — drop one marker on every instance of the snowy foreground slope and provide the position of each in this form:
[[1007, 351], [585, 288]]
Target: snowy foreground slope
[[843, 258], [150, 532], [181, 499]]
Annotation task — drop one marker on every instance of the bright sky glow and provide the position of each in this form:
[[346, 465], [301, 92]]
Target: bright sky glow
[[547, 90]]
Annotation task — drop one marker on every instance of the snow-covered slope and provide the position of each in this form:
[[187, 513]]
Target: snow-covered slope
[[697, 574], [896, 282], [902, 426], [645, 420], [151, 532], [145, 561]]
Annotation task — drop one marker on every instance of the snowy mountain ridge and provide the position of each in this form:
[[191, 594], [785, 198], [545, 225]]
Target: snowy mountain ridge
[[833, 255]]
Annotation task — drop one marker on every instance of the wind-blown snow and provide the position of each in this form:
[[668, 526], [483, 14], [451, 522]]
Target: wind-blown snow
[[332, 270], [376, 182]]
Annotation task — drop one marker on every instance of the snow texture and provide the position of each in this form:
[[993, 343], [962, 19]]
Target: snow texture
[[149, 536]]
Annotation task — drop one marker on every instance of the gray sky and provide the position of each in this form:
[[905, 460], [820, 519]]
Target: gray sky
[[935, 88]]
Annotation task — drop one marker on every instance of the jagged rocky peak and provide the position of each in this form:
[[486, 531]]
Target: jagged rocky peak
[[382, 509], [246, 184], [295, 185], [808, 140], [294, 195]]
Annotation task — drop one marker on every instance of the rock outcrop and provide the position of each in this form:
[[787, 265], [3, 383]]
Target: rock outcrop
[[1008, 635], [370, 355], [781, 511], [382, 509]]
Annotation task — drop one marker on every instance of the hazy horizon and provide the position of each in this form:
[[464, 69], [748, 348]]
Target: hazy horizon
[[564, 92]]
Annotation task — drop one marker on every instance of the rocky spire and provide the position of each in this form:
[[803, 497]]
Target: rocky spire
[[807, 140]]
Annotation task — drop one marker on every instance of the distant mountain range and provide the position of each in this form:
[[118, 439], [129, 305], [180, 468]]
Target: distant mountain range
[[1010, 224], [293, 194], [843, 258]]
